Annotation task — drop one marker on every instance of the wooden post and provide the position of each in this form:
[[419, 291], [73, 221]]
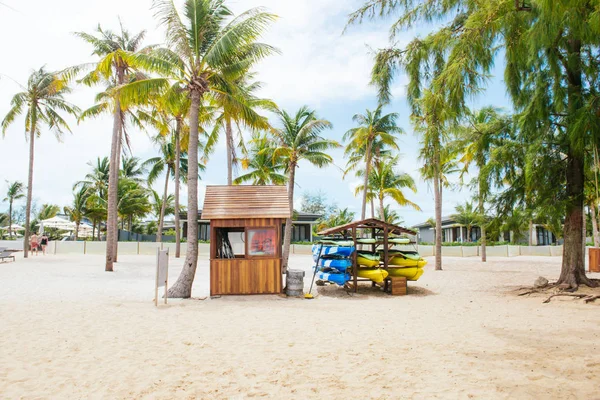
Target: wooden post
[[156, 280]]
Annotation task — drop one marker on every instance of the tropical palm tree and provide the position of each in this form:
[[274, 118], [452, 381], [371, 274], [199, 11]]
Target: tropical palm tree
[[42, 102], [467, 216], [391, 216], [78, 209], [209, 52], [167, 160], [299, 138], [336, 218], [15, 192], [479, 136], [263, 168], [117, 66], [96, 183], [239, 108], [133, 201], [161, 208], [132, 169], [384, 182], [373, 129]]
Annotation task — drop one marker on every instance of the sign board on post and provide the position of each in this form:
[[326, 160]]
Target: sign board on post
[[162, 273]]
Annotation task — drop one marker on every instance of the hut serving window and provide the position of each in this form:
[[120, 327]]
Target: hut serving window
[[246, 242]]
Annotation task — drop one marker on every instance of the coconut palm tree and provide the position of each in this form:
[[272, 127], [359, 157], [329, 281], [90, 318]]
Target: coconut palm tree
[[239, 109], [161, 208], [42, 102], [133, 201], [15, 192], [78, 209], [391, 216], [336, 218], [479, 137], [167, 160], [96, 182], [299, 138], [468, 216], [132, 169], [209, 52], [384, 182], [116, 67], [374, 128], [263, 168]]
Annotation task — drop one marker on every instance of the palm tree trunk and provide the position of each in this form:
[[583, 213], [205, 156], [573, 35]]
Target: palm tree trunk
[[93, 230], [113, 177], [366, 182], [10, 204], [381, 209], [482, 229], [373, 208], [437, 187], [530, 232], [177, 178], [594, 212], [119, 150], [29, 192], [229, 139], [163, 207], [183, 286], [77, 230], [287, 236]]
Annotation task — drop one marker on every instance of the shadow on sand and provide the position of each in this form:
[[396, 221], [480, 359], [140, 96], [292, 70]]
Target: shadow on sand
[[366, 291]]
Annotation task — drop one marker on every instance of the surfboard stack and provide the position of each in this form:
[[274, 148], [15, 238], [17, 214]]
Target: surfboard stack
[[335, 261]]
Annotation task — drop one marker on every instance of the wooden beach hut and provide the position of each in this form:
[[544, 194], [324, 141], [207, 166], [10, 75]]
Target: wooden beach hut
[[245, 230]]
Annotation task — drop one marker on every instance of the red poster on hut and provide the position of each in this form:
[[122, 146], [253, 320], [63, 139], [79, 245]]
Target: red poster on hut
[[261, 242]]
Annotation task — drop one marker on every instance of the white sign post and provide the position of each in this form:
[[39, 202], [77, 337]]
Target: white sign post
[[162, 273]]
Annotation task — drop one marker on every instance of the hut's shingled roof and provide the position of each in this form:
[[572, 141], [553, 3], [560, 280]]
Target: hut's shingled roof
[[231, 202]]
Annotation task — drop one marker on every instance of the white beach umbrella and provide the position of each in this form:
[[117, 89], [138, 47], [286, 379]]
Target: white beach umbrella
[[57, 223], [13, 228]]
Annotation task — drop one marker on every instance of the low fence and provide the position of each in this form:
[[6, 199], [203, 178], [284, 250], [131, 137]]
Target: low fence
[[124, 248], [149, 248]]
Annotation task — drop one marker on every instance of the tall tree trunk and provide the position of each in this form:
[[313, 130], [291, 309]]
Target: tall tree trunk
[[116, 222], [482, 230], [93, 230], [437, 187], [530, 232], [381, 209], [373, 208], [77, 230], [363, 214], [230, 144], [573, 266], [163, 207], [177, 178], [29, 193], [10, 204], [287, 236], [594, 216], [183, 286], [99, 231], [113, 178]]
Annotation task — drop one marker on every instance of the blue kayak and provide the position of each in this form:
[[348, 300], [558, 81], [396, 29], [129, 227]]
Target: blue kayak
[[341, 251], [341, 264], [339, 279]]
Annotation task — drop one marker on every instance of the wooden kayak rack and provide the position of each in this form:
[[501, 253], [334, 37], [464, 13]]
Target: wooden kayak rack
[[375, 229]]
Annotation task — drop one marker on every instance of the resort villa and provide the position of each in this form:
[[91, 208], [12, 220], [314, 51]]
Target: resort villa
[[458, 233]]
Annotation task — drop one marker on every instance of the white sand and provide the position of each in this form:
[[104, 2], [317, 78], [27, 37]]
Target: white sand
[[69, 330]]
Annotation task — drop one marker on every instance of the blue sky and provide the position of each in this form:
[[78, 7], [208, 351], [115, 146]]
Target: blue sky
[[318, 67]]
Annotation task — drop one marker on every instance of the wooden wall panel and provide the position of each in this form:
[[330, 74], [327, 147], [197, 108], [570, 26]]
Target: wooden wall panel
[[245, 276]]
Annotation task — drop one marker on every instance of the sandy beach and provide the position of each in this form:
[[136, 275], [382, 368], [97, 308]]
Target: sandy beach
[[70, 330]]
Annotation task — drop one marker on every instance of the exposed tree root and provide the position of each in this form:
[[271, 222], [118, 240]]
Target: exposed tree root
[[592, 298], [579, 296]]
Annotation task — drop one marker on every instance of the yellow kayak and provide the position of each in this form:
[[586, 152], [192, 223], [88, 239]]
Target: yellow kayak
[[377, 275], [411, 274], [406, 262], [367, 262]]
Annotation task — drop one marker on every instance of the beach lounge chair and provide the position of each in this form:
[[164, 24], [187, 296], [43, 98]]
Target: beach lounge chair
[[7, 254]]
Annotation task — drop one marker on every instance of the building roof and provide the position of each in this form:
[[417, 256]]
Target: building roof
[[445, 221], [367, 224], [231, 202]]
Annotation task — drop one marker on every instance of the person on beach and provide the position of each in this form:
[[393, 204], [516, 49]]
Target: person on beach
[[44, 243], [33, 242]]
